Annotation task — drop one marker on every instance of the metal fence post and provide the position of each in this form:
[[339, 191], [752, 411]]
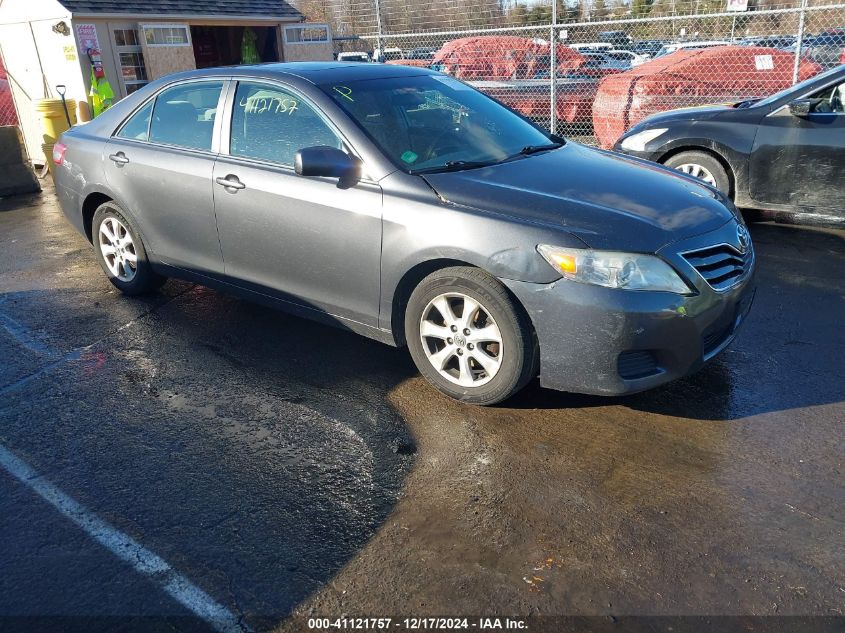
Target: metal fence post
[[799, 44], [553, 71], [378, 30]]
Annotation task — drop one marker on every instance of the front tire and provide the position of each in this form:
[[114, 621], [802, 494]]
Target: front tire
[[703, 166], [121, 253], [468, 337]]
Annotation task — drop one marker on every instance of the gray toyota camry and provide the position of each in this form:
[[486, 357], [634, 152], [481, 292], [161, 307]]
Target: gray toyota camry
[[404, 205]]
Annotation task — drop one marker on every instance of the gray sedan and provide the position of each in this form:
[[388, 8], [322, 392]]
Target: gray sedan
[[404, 205]]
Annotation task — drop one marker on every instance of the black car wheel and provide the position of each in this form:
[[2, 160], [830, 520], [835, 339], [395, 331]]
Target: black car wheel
[[121, 252], [468, 338], [703, 166]]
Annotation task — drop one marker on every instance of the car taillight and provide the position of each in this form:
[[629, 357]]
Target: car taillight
[[59, 153]]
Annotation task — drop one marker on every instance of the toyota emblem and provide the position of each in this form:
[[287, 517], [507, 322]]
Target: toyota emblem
[[743, 238]]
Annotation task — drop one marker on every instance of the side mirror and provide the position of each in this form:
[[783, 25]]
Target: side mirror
[[801, 107], [327, 162]]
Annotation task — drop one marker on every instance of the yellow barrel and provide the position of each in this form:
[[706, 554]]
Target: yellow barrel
[[47, 148], [53, 119]]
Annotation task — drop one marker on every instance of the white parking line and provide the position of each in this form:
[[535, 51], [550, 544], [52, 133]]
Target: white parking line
[[126, 548], [23, 336]]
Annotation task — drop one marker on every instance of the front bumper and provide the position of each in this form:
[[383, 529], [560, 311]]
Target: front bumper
[[611, 342]]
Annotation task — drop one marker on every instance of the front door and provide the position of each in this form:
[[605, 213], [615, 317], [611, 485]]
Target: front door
[[128, 58], [161, 163], [798, 161], [304, 240]]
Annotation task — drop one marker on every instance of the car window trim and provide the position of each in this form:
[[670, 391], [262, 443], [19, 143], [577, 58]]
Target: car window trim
[[229, 113], [216, 132]]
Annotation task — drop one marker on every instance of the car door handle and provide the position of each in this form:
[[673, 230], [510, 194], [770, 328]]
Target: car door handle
[[119, 158], [231, 182]]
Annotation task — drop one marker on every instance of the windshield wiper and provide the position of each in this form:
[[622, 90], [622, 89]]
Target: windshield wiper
[[454, 165], [460, 165], [533, 149]]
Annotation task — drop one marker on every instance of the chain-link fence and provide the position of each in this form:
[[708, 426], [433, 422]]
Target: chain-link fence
[[590, 69], [8, 116]]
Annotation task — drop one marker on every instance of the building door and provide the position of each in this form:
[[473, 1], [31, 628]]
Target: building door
[[128, 58]]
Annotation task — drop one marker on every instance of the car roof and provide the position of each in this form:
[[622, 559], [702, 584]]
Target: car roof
[[314, 72]]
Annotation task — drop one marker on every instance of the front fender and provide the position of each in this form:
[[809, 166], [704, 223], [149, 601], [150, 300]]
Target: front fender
[[419, 227]]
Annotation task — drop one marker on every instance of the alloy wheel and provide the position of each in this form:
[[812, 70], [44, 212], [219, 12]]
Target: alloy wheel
[[118, 249], [461, 340], [698, 171]]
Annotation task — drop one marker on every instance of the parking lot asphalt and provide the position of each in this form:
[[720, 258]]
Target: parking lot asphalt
[[285, 467]]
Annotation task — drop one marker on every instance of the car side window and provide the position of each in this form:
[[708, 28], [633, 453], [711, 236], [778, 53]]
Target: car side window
[[831, 100], [184, 115], [272, 124], [138, 125]]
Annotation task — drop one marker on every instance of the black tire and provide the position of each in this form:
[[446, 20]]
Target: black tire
[[145, 278], [709, 162], [519, 354]]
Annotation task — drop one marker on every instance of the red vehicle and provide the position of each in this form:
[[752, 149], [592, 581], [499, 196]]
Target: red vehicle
[[516, 71], [8, 115], [502, 57], [685, 78]]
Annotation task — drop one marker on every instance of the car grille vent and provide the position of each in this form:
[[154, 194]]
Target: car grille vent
[[721, 266], [714, 338], [637, 364]]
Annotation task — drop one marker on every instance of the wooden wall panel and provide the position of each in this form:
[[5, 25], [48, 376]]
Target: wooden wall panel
[[164, 60]]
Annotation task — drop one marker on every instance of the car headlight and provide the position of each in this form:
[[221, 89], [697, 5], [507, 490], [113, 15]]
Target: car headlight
[[637, 142], [628, 271]]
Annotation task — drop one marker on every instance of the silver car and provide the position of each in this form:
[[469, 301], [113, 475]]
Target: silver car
[[404, 205]]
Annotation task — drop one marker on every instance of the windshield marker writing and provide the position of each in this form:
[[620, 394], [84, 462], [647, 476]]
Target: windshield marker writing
[[344, 92]]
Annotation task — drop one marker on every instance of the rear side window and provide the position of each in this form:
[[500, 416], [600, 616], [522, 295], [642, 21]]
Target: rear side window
[[184, 115], [138, 125], [272, 124]]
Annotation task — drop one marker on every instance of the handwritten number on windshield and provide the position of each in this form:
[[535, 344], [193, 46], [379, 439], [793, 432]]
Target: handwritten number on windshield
[[345, 92], [279, 105]]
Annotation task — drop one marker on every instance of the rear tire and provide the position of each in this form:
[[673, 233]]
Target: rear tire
[[121, 253], [704, 166], [469, 338]]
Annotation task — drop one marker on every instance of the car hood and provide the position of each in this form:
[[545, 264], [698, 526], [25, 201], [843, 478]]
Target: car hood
[[608, 200], [698, 113]]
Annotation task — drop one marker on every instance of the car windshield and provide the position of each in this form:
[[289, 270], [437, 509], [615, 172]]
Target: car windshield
[[434, 122], [798, 88]]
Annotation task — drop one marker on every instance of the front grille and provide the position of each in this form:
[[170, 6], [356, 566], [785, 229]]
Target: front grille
[[637, 364], [721, 266]]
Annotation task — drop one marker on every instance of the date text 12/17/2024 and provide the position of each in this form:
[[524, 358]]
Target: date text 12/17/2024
[[417, 624]]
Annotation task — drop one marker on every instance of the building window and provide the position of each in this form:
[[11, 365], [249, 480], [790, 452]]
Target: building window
[[166, 34], [132, 67], [308, 34], [125, 37]]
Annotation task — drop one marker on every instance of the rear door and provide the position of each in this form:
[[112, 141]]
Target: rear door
[[308, 241], [161, 163], [799, 161]]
